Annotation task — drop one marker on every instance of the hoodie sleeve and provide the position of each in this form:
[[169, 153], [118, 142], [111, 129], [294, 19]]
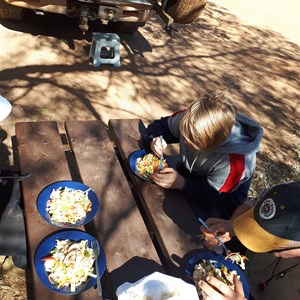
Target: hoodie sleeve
[[227, 175], [224, 177], [157, 128]]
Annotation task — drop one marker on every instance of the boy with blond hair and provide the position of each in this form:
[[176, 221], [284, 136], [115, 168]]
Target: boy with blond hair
[[217, 157]]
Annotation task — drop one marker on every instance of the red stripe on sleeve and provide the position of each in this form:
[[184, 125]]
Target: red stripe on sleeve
[[177, 112], [237, 167]]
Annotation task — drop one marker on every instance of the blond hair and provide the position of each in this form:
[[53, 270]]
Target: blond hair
[[208, 122]]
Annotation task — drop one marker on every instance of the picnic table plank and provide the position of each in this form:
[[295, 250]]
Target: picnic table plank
[[119, 225], [175, 225], [41, 153]]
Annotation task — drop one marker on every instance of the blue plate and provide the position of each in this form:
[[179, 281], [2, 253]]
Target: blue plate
[[132, 162], [218, 260], [44, 196], [48, 244]]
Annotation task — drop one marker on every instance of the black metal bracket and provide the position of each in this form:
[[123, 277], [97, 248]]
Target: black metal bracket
[[168, 20]]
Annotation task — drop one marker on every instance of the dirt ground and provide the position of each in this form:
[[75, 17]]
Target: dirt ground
[[280, 16], [47, 75]]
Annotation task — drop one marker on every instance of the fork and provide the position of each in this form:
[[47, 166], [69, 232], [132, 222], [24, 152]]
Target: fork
[[227, 251], [161, 165], [96, 249]]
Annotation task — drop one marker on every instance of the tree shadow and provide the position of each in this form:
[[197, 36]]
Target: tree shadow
[[159, 74], [47, 75]]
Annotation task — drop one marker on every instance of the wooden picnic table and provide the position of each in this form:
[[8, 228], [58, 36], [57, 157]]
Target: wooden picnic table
[[85, 153], [142, 227], [175, 226]]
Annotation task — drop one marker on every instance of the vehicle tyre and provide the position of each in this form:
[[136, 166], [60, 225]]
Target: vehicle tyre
[[10, 12], [185, 11]]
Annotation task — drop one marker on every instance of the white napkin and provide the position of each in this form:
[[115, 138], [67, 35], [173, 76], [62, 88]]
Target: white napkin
[[157, 286], [5, 108]]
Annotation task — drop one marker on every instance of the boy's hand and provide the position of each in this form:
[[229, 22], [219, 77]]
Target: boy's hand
[[157, 147], [221, 228], [215, 289], [169, 178]]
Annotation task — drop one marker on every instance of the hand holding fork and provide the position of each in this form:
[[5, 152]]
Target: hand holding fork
[[161, 165], [227, 251]]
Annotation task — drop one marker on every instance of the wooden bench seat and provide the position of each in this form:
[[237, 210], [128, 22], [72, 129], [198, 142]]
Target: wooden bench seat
[[174, 224], [121, 229], [118, 225], [42, 154]]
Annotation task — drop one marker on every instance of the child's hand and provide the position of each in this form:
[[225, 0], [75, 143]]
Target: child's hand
[[169, 178], [157, 147], [216, 289], [221, 228]]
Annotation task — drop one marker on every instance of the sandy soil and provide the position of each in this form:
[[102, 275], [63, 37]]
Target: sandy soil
[[280, 16], [47, 75]]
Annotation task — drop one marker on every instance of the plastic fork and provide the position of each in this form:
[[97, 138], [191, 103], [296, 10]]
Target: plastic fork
[[96, 249], [161, 165], [227, 251]]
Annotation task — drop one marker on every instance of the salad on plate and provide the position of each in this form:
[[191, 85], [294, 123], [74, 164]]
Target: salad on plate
[[67, 205], [70, 263], [148, 165]]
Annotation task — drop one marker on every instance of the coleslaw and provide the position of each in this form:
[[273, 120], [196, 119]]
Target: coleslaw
[[209, 268], [68, 205], [148, 165], [70, 263]]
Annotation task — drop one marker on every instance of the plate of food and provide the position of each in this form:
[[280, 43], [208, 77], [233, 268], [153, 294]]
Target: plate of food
[[203, 264], [144, 164], [65, 262], [67, 204]]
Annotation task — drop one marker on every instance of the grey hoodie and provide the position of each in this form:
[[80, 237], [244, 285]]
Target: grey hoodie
[[230, 164]]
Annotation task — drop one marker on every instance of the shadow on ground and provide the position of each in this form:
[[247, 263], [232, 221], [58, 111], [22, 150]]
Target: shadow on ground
[[47, 75], [50, 75]]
